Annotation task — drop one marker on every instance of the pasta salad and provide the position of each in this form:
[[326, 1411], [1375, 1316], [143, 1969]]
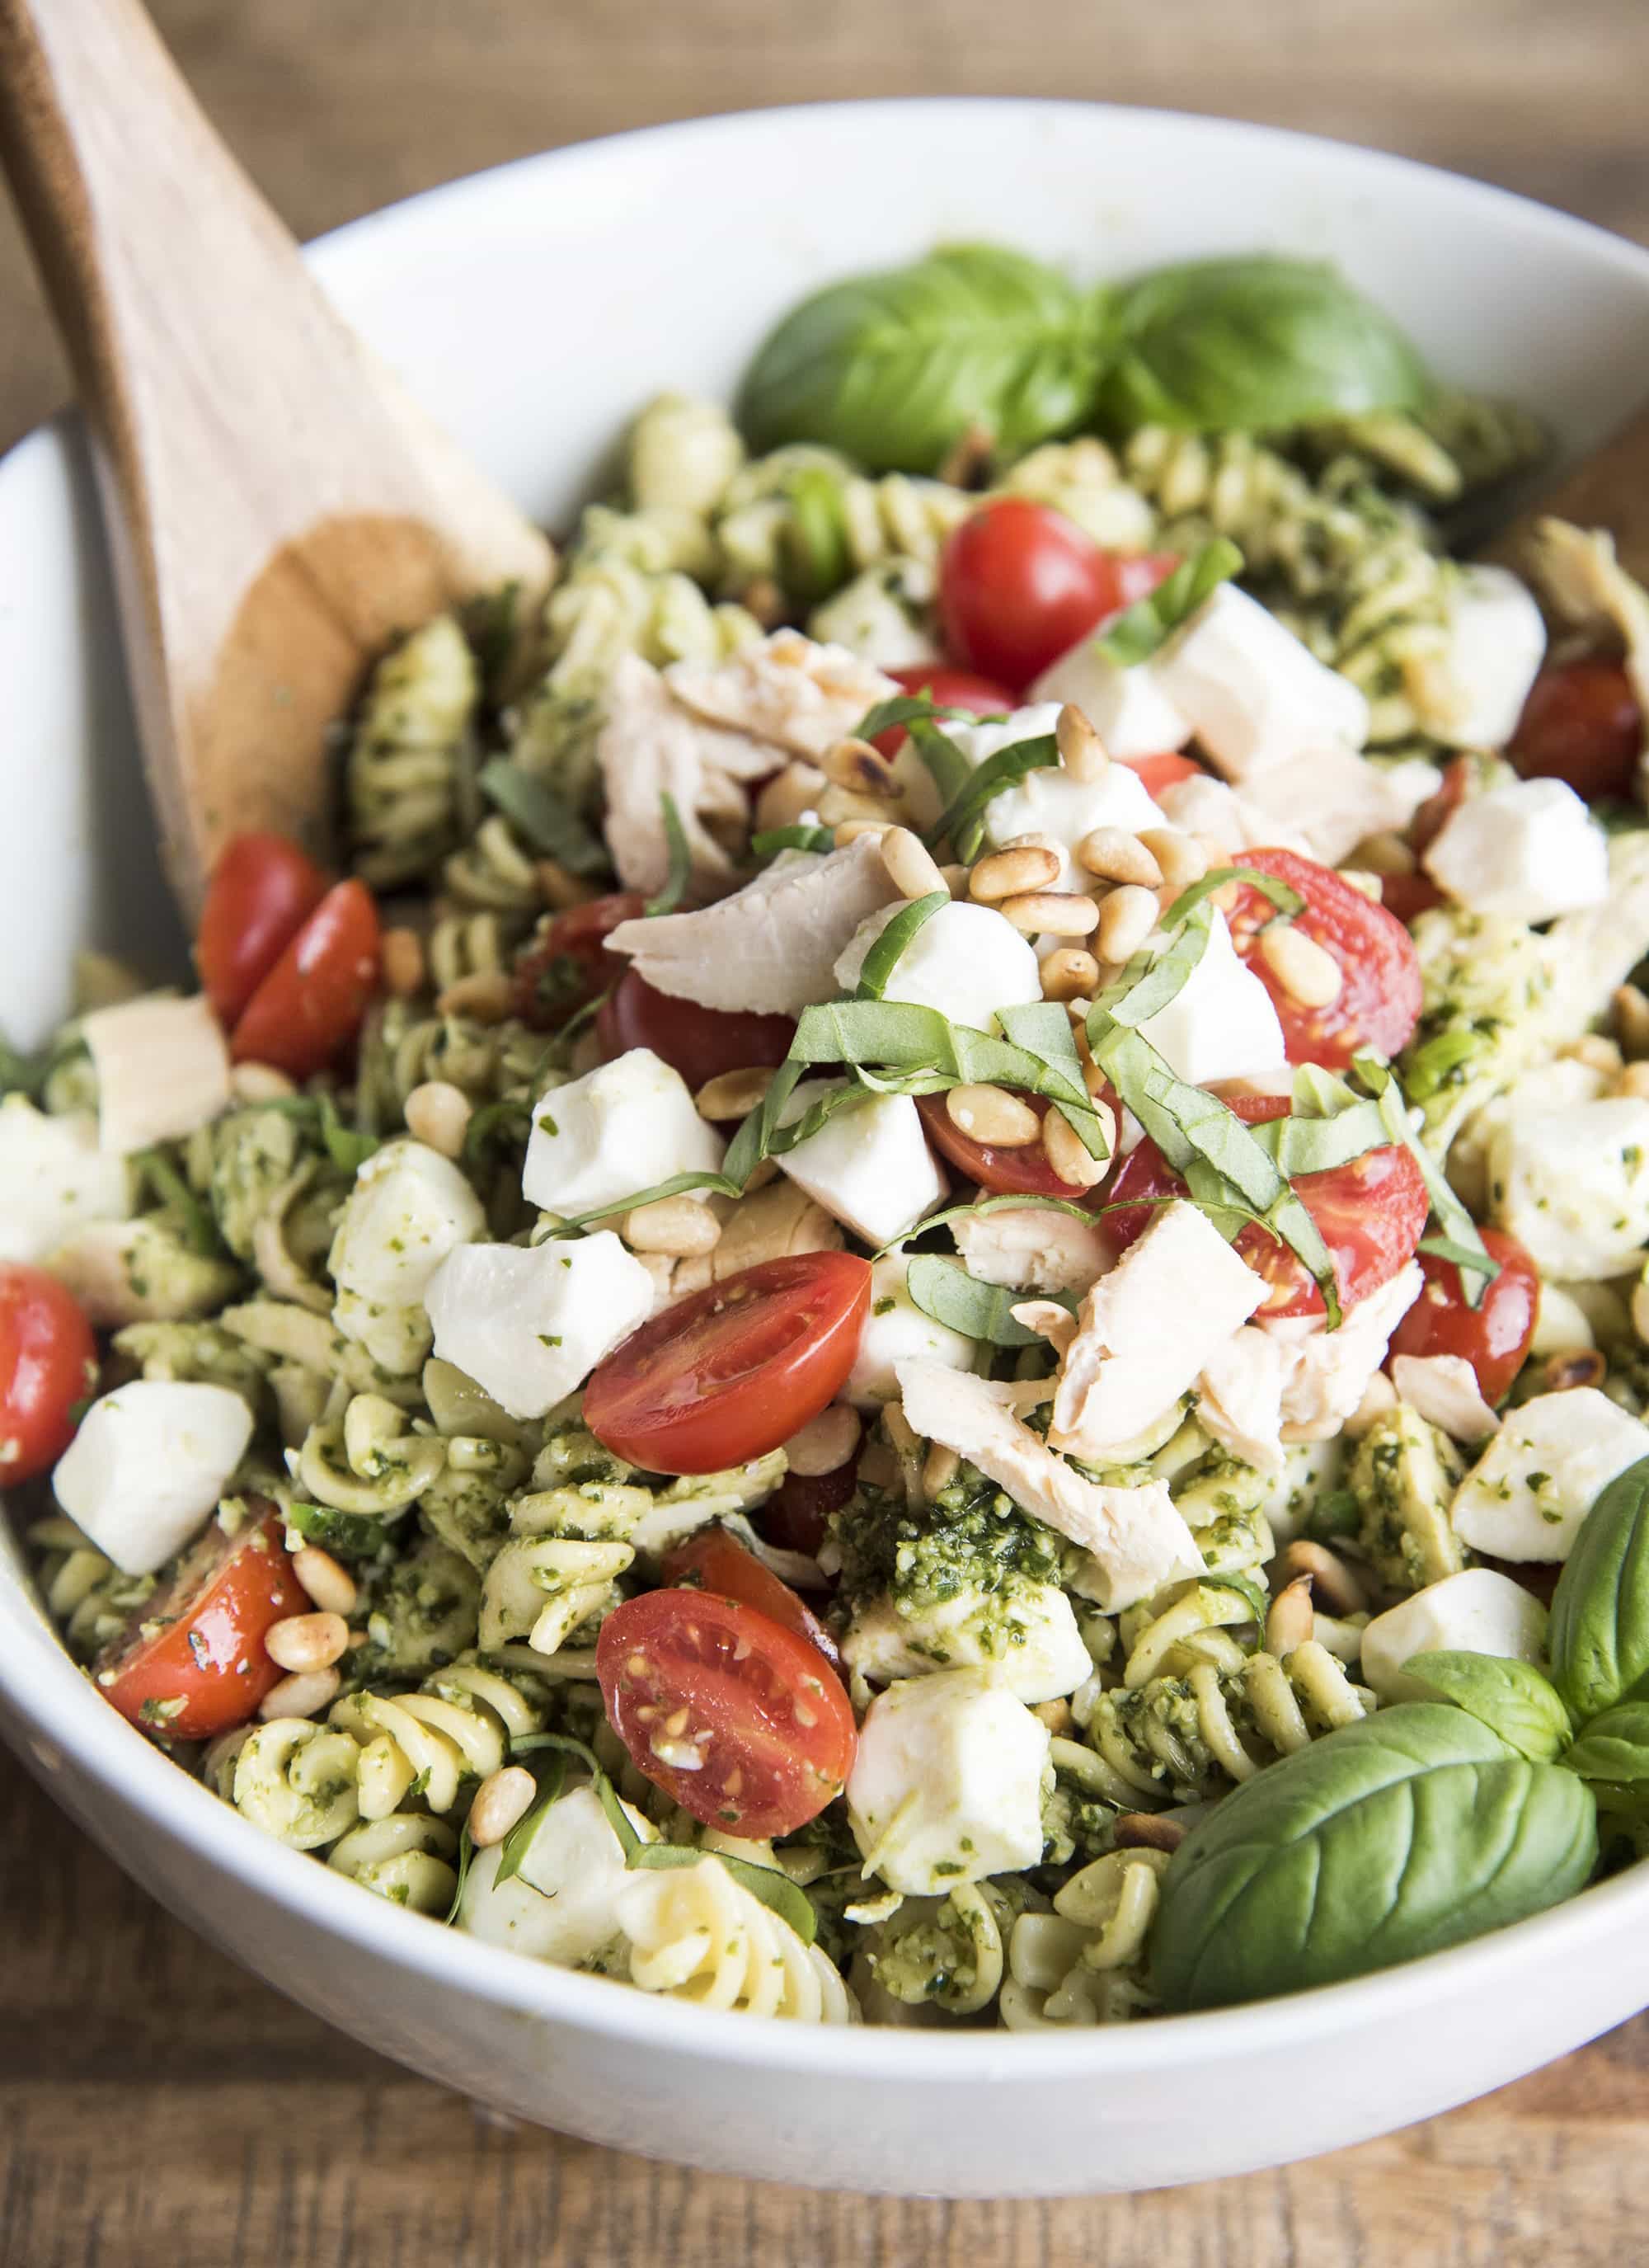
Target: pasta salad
[[925, 1299]]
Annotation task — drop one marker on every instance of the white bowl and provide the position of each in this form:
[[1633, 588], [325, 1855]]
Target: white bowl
[[533, 308]]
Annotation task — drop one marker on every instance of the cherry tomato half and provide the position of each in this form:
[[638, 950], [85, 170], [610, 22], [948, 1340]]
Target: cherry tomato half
[[199, 1640], [1581, 723], [567, 964], [1494, 1335], [1371, 1214], [262, 890], [712, 1560], [797, 1515], [761, 1735], [950, 688], [1019, 584], [699, 1042], [1379, 1002], [734, 1369], [48, 1361], [1005, 1173], [309, 1007]]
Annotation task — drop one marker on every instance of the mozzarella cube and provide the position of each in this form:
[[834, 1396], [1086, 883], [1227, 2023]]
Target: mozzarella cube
[[1130, 708], [946, 1786], [894, 1329], [965, 961], [162, 1067], [1221, 1023], [1472, 694], [529, 1326], [991, 735], [1573, 1186], [869, 1167], [1476, 1612], [1527, 1495], [1330, 801], [1059, 809], [625, 1127], [408, 1208], [1529, 850], [148, 1465], [54, 1179], [559, 1905], [1254, 695], [1024, 1638]]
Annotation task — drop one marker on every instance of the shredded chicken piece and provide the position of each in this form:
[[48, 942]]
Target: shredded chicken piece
[[1326, 1373], [789, 691], [649, 747], [1240, 1399], [1443, 1389], [1582, 585]]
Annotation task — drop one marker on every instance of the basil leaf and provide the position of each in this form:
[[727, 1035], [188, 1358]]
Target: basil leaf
[[551, 1775], [1614, 1748], [1136, 633], [351, 1535], [1285, 900], [1512, 1697], [1598, 1638], [943, 1289], [195, 1219], [772, 840], [1414, 1830], [680, 874], [963, 819], [1252, 345], [465, 1854], [549, 824], [1457, 1223], [884, 955], [348, 1149], [894, 366], [946, 766]]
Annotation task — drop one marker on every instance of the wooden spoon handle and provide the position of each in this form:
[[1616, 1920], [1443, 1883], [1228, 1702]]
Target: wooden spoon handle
[[1608, 489]]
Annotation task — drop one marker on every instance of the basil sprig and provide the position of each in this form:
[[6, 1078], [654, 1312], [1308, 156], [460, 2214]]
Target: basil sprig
[[679, 874], [889, 946], [963, 818], [535, 809], [944, 1291], [1598, 1634], [1139, 630]]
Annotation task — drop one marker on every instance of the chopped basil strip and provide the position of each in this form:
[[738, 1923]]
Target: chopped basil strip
[[465, 1853], [1140, 629], [199, 1229], [884, 955], [347, 1148], [963, 818], [943, 1289], [1468, 1262], [907, 709], [1004, 1204], [947, 767], [1317, 1145], [1455, 1221], [1165, 974], [772, 840], [1286, 900], [680, 874], [549, 824], [351, 1535], [1246, 1590], [551, 1775]]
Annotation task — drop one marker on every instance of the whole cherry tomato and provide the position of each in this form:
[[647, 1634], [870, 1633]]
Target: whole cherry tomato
[[1019, 584]]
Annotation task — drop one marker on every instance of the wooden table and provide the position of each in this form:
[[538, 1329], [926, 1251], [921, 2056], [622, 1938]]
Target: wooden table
[[159, 2110]]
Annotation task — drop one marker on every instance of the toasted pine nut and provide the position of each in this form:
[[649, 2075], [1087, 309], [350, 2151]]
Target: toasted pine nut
[[954, 878], [991, 1114], [438, 1113], [1597, 1053], [1289, 1619], [1365, 883], [1331, 1579], [762, 598], [305, 1694], [849, 830], [939, 1469], [679, 1226], [559, 887], [910, 864], [1147, 1830], [1068, 1155], [970, 457], [1634, 1081], [502, 1801], [1056, 1716], [400, 958], [825, 1443], [1182, 859], [327, 1581], [1576, 1366], [1631, 1018], [1126, 920], [734, 1093], [1307, 971], [306, 1641], [1081, 750], [1116, 856], [1054, 913], [862, 769], [257, 1082], [1384, 854], [1069, 973], [1007, 874], [484, 995], [781, 802]]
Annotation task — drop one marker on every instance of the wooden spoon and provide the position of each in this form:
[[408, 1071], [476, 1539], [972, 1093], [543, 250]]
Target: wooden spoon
[[279, 506], [1608, 487]]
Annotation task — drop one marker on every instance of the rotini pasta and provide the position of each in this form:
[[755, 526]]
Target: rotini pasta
[[696, 1933]]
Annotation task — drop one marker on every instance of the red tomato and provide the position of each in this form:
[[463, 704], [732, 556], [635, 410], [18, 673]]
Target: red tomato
[[200, 1639], [1004, 1173], [1581, 723], [699, 1042], [712, 1560], [1378, 1003], [309, 1007], [1164, 771], [1021, 584], [732, 1370], [1436, 812], [951, 689], [1371, 1214], [1494, 1335], [796, 1515], [1405, 897], [567, 964], [766, 1722], [48, 1361], [263, 889]]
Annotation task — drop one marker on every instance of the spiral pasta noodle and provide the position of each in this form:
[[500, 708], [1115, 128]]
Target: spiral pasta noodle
[[405, 1859], [367, 1461], [296, 1779], [411, 742], [1085, 1963], [946, 1953], [697, 1934], [438, 1743]]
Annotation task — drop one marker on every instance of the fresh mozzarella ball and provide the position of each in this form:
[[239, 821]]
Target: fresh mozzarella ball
[[408, 1208], [1472, 694], [965, 961], [946, 1786], [894, 1329], [1221, 1023], [1026, 1638], [1254, 695], [148, 1465], [1573, 1185], [54, 1179], [622, 1128], [869, 1167], [162, 1067], [1476, 1612], [1529, 850], [529, 1326], [1060, 809], [978, 741], [558, 1906], [1527, 1495], [1129, 707]]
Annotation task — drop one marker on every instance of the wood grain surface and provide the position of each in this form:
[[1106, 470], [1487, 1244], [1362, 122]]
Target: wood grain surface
[[159, 2109]]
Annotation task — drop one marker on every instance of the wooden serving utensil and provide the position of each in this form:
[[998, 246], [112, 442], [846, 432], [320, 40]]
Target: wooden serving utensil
[[279, 506], [1608, 488]]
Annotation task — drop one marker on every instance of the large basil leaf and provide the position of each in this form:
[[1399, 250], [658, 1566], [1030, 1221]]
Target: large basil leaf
[[1598, 1634], [1410, 1831], [1510, 1697], [894, 367], [1614, 1747], [1254, 344]]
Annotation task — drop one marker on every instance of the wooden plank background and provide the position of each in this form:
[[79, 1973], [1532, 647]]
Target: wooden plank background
[[159, 2110]]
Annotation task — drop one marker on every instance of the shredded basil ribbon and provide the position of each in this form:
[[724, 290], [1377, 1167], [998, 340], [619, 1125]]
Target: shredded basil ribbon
[[200, 1229], [549, 824], [1004, 1204], [1288, 901], [772, 840], [550, 1772], [1476, 1271], [1250, 1592], [680, 871], [963, 819], [884, 955], [1139, 630], [919, 714], [944, 1291]]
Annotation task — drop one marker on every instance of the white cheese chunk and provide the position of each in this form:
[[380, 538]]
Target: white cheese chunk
[[946, 1786], [530, 1326], [894, 1329], [408, 1207], [1254, 694], [1477, 1612], [1529, 850], [1527, 1495], [1221, 1023], [1130, 709], [1573, 1185], [54, 1179], [990, 735], [559, 1906], [1024, 1635], [1031, 1249], [1059, 809], [162, 1067], [1472, 693], [147, 1467], [1443, 1389], [965, 961], [623, 1128], [870, 1167]]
